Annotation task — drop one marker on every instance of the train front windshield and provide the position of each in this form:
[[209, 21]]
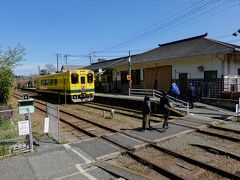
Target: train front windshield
[[90, 77]]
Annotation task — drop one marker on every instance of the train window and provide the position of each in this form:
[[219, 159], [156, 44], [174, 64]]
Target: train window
[[51, 82], [74, 78], [82, 80], [90, 78], [55, 81]]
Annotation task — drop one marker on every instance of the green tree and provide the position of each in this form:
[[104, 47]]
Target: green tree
[[9, 59]]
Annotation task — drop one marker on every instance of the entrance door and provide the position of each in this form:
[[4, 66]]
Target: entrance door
[[183, 83], [159, 78]]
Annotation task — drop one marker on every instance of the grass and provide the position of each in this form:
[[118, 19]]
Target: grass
[[64, 141], [220, 123], [7, 136], [4, 150]]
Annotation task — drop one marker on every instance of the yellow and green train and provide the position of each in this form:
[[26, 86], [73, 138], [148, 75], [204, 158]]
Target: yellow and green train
[[76, 85]]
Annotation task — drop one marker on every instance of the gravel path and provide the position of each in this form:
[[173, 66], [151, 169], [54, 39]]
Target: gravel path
[[182, 145], [131, 164]]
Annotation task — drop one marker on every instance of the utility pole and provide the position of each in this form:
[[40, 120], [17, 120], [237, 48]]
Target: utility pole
[[90, 57], [66, 56], [129, 77], [39, 70], [57, 62]]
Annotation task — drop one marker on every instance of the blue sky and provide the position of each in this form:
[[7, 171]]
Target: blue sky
[[108, 28]]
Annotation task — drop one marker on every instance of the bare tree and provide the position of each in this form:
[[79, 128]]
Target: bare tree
[[49, 68]]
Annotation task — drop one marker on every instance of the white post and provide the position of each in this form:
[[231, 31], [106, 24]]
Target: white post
[[187, 108], [236, 109], [27, 116]]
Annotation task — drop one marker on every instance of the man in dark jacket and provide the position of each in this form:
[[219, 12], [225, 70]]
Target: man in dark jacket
[[165, 108], [191, 94], [146, 109]]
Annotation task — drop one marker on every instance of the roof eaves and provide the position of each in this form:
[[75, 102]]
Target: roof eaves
[[178, 57], [233, 46], [182, 40]]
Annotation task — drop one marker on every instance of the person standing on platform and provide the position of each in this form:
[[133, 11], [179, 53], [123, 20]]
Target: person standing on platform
[[175, 90], [191, 94], [146, 110], [165, 109]]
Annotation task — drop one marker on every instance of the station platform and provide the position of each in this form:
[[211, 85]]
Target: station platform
[[135, 102]]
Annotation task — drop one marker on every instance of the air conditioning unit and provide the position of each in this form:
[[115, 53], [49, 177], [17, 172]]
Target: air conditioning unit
[[200, 68]]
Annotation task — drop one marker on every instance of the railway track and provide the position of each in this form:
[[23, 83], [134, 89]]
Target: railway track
[[73, 120]]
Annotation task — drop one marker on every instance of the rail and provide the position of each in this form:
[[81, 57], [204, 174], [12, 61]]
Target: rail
[[176, 103]]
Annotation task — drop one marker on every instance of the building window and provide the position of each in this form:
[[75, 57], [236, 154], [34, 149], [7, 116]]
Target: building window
[[210, 76], [136, 77], [124, 80], [238, 71], [74, 78]]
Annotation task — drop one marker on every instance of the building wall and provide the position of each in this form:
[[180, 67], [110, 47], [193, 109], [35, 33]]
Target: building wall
[[234, 64], [224, 64], [188, 65]]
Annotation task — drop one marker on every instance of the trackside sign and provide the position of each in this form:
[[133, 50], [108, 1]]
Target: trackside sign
[[23, 128]]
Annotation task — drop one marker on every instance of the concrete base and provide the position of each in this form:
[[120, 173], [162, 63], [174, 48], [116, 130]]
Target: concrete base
[[229, 104]]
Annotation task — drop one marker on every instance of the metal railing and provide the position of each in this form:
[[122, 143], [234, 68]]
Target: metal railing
[[15, 132], [141, 92], [54, 122], [176, 103]]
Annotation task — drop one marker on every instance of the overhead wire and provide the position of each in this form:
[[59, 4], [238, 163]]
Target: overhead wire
[[143, 28], [180, 15], [182, 23], [189, 14]]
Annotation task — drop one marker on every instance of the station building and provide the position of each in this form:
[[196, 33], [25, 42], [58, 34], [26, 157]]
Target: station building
[[205, 62]]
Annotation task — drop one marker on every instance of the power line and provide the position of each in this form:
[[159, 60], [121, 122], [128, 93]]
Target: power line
[[143, 28], [182, 14], [186, 16], [182, 24], [175, 25]]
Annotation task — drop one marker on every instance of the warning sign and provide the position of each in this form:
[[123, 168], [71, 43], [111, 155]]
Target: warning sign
[[129, 77], [23, 128]]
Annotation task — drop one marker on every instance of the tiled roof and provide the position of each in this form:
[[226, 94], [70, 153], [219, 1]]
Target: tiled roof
[[195, 46], [70, 67]]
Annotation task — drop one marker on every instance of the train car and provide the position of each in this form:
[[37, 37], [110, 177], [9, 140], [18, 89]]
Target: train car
[[76, 85]]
